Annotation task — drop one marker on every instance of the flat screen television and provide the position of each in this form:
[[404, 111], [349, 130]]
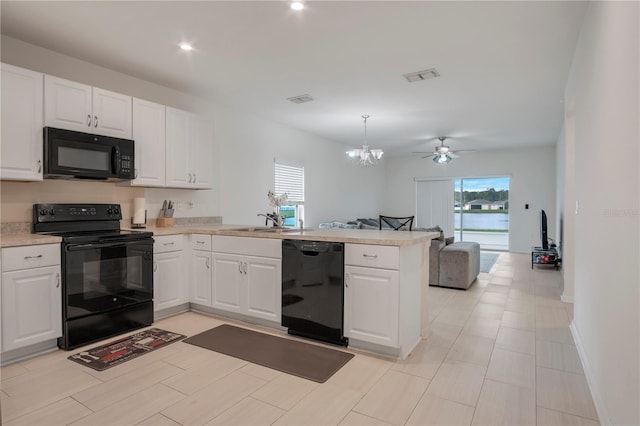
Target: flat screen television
[[543, 230]]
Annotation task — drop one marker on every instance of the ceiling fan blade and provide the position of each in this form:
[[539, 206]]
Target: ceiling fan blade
[[430, 155], [453, 154], [465, 150]]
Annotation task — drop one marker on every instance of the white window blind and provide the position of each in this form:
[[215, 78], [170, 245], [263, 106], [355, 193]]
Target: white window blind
[[290, 179]]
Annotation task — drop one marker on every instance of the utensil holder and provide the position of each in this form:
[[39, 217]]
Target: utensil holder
[[164, 222]]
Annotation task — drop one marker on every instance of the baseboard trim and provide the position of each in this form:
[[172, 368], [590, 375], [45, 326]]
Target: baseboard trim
[[566, 299], [603, 414]]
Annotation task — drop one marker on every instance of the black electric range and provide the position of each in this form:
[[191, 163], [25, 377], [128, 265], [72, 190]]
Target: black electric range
[[107, 273]]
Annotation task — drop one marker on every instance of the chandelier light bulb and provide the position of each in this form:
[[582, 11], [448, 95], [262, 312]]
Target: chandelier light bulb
[[296, 5]]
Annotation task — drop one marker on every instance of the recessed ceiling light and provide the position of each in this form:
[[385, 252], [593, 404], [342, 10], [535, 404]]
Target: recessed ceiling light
[[296, 5], [186, 46]]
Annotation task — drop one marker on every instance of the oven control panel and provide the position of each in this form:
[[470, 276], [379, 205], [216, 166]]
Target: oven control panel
[[75, 212]]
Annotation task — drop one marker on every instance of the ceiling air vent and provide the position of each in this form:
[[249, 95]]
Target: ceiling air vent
[[300, 99], [421, 75]]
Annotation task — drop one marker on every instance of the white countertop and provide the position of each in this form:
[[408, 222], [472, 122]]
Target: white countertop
[[340, 235], [355, 236]]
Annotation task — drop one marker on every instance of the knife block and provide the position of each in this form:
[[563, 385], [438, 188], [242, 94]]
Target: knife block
[[164, 222]]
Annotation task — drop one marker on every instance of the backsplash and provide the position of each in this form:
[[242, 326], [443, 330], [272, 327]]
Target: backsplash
[[15, 228], [18, 199], [180, 221]]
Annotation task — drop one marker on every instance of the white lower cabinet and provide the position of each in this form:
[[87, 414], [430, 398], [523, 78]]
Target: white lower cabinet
[[228, 282], [248, 279], [264, 282], [247, 285], [201, 262], [371, 301], [170, 280], [372, 294], [31, 296]]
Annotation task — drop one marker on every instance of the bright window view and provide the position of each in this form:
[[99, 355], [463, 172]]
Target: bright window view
[[290, 180], [481, 210]]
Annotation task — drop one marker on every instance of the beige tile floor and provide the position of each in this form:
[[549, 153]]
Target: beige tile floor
[[498, 353]]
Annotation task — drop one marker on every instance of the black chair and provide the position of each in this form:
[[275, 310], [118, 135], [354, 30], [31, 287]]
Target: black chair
[[397, 223]]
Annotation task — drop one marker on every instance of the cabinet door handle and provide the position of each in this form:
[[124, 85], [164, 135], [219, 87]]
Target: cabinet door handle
[[240, 267], [39, 166], [135, 173], [58, 280], [199, 242], [170, 243], [89, 120], [33, 257], [370, 256], [346, 280], [244, 268], [207, 263], [155, 266], [194, 178], [96, 121]]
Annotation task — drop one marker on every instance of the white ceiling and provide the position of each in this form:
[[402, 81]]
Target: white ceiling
[[503, 65]]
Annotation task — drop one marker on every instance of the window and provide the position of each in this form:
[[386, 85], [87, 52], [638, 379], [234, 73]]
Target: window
[[289, 179]]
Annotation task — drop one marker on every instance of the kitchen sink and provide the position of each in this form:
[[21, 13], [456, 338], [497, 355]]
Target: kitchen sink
[[250, 229], [278, 230]]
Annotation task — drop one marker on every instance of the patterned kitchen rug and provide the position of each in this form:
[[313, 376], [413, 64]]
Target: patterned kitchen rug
[[116, 352], [312, 362]]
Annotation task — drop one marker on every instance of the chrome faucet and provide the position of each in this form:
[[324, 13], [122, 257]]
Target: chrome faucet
[[276, 219]]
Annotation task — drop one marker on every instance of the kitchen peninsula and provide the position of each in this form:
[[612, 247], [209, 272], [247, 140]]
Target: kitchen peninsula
[[385, 289]]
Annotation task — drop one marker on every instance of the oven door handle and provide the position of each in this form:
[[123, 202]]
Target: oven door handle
[[115, 244]]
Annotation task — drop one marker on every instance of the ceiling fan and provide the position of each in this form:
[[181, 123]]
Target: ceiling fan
[[443, 154]]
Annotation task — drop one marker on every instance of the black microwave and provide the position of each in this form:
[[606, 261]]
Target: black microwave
[[77, 155]]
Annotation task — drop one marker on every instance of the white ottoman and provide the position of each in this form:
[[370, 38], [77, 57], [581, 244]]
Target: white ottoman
[[459, 264]]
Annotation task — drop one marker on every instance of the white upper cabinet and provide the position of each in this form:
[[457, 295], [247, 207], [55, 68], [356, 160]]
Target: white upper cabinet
[[189, 159], [111, 114], [149, 137], [177, 147], [202, 153], [76, 106], [22, 123]]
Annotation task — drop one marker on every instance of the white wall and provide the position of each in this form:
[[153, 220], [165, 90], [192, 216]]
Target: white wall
[[244, 148], [603, 88], [532, 172], [566, 201], [334, 188]]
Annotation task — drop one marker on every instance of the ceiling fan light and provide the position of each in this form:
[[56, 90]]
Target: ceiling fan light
[[441, 159]]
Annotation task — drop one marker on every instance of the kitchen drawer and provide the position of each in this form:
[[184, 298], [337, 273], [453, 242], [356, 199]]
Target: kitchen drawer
[[247, 246], [27, 257], [201, 242], [168, 243], [384, 257]]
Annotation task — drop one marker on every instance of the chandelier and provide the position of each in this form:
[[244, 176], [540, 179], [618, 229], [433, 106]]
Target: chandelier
[[365, 156]]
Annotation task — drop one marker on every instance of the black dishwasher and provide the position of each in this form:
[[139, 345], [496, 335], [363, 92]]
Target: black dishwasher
[[313, 290]]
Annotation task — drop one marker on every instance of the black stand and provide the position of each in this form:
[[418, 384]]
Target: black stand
[[540, 256]]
